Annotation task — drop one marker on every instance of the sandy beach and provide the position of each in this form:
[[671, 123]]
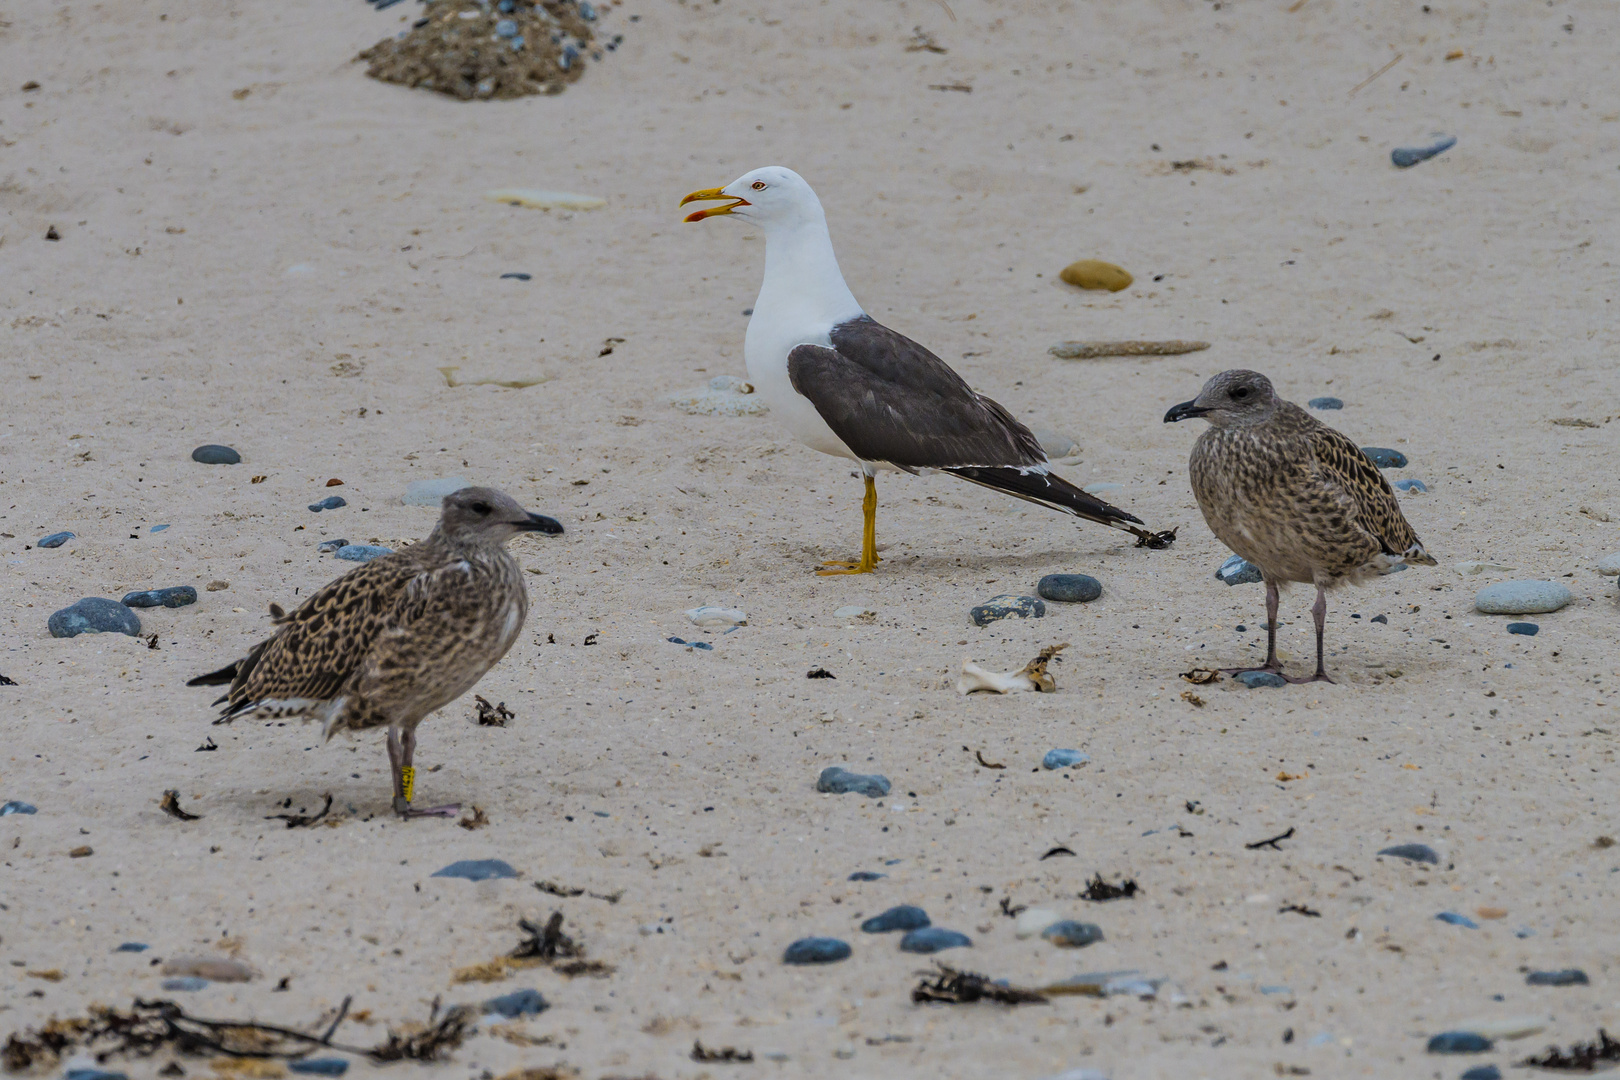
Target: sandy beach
[[261, 247]]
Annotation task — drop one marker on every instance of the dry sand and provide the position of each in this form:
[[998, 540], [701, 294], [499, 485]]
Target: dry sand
[[285, 269]]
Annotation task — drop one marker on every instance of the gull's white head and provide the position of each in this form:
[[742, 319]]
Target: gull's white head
[[773, 198]]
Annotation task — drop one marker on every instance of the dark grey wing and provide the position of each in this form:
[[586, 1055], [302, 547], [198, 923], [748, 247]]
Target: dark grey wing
[[891, 400]]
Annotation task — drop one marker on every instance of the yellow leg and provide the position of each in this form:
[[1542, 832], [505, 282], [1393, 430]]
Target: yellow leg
[[869, 555]]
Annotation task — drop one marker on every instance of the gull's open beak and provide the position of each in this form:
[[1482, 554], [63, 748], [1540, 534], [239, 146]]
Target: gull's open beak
[[710, 195], [541, 523], [1185, 411]]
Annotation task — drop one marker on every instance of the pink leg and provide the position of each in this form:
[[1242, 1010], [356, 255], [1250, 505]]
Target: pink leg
[[1271, 664], [1319, 613]]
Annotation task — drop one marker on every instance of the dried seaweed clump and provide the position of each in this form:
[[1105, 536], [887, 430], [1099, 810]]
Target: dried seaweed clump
[[473, 49]]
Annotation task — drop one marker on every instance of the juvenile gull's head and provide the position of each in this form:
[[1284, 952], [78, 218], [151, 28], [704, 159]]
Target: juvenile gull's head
[[486, 517], [1236, 398]]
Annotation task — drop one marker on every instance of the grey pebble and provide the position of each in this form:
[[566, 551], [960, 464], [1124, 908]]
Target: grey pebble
[[1069, 588], [1563, 977], [1007, 606], [517, 276], [172, 597], [932, 939], [1482, 1072], [1413, 853], [87, 1073], [331, 502], [478, 869], [1325, 403], [1457, 920], [704, 645], [133, 946], [1255, 679], [1384, 457], [506, 28], [816, 950], [432, 492], [1405, 157], [157, 528], [1410, 485], [1609, 565], [1459, 1042], [326, 547], [1380, 619], [836, 780], [94, 615], [1523, 629], [1521, 598], [903, 917], [867, 875], [517, 1003], [189, 982], [319, 1066], [1239, 571], [1073, 935], [16, 807], [55, 540], [1063, 759], [362, 552], [214, 454]]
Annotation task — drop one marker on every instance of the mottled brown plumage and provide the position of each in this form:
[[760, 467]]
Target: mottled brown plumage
[[396, 638], [1292, 496]]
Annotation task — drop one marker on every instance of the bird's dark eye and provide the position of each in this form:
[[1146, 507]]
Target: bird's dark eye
[[759, 185], [1240, 393], [480, 507]]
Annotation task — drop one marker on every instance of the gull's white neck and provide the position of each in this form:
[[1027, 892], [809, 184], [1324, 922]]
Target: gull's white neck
[[803, 286]]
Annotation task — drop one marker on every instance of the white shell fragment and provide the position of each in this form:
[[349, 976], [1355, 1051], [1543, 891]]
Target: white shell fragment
[[1032, 676], [1474, 566], [717, 616], [855, 611], [537, 199], [1032, 920], [726, 395]]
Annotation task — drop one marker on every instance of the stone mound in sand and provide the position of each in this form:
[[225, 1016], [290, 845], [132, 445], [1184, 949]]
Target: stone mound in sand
[[475, 49]]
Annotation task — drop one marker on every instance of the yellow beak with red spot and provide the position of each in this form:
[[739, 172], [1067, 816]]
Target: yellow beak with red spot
[[711, 195]]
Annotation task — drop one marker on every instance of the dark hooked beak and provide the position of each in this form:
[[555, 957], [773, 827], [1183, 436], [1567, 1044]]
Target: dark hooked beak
[[1185, 411], [541, 523]]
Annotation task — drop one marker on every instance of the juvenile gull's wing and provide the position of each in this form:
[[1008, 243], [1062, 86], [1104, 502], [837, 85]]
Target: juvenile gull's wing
[[1343, 466], [891, 400]]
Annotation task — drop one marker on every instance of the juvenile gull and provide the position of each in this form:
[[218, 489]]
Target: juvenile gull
[[395, 638], [846, 385], [1291, 495]]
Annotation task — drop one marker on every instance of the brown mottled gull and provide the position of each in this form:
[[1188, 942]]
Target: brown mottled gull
[[1292, 496], [395, 638]]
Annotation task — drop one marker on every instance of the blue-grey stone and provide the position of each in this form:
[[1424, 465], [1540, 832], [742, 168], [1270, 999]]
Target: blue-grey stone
[[432, 492], [1007, 606], [54, 540], [816, 950], [1239, 571], [1405, 157], [172, 597], [837, 780], [904, 917], [16, 807], [1380, 619], [1524, 629], [505, 28], [1063, 759], [187, 982], [1521, 598], [932, 939], [362, 552], [586, 11], [319, 1066], [867, 875], [518, 1003], [517, 275], [214, 454], [94, 615], [1255, 679], [704, 645], [1410, 485], [1384, 457], [88, 1073], [133, 946], [1325, 403], [478, 869], [157, 528], [1459, 1042], [1563, 977], [1073, 935], [331, 502], [1482, 1072], [1457, 920], [1413, 853], [326, 547], [1069, 588]]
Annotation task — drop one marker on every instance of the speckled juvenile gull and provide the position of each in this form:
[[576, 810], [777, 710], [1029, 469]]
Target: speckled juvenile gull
[[846, 385], [395, 638], [1292, 496]]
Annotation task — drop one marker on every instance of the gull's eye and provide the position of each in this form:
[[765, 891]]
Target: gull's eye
[[480, 508], [1240, 393], [759, 185]]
